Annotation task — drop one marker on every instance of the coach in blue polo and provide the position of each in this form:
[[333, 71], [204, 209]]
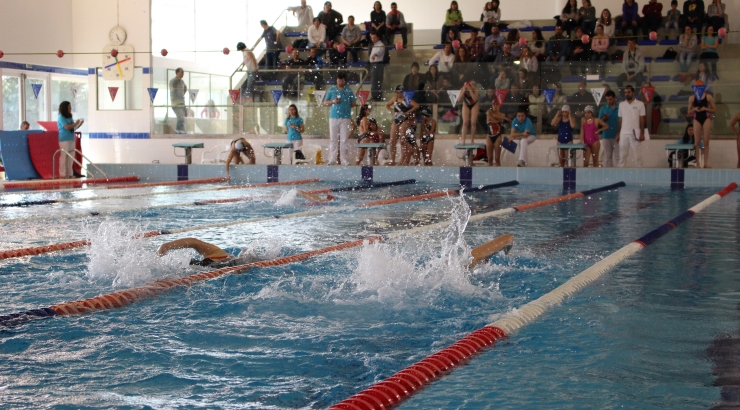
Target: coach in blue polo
[[342, 100]]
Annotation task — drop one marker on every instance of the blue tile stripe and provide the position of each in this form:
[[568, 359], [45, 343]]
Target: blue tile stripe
[[466, 176], [677, 178], [41, 68], [367, 174], [120, 135], [569, 178], [182, 172], [145, 70], [272, 173]]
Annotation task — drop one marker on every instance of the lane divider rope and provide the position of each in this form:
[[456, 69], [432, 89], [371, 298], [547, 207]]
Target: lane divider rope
[[391, 391], [66, 182]]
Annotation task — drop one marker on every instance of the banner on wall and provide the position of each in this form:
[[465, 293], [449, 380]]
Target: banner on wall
[[407, 96], [75, 91], [699, 91], [113, 91], [193, 95], [319, 96], [549, 95], [648, 92], [36, 89], [363, 95], [276, 94], [234, 94], [453, 94], [598, 94], [501, 96], [152, 93]]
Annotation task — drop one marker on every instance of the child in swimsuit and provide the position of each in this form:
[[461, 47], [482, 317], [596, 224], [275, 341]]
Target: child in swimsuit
[[591, 127], [428, 129], [565, 123], [367, 132], [402, 118], [494, 121]]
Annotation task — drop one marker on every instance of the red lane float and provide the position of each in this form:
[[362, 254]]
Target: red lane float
[[264, 184], [190, 182], [74, 183]]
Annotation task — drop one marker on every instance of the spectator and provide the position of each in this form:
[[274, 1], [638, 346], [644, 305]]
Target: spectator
[[652, 17], [495, 127], [317, 35], [600, 50], [537, 106], [570, 17], [290, 86], [515, 99], [733, 126], [673, 18], [475, 45], [238, 147], [428, 129], [513, 40], [351, 37], [686, 49], [505, 61], [558, 47], [377, 66], [451, 37], [522, 80], [210, 110], [249, 62], [709, 46], [412, 81], [703, 75], [453, 20], [587, 13], [445, 58], [702, 111], [633, 64], [523, 130], [693, 14], [527, 61], [67, 127], [395, 22], [272, 44], [591, 127], [25, 125], [337, 59], [462, 70], [312, 62], [433, 82], [565, 123], [609, 25], [631, 127], [630, 17], [342, 100], [537, 46], [294, 127], [377, 21], [331, 20], [403, 119], [580, 100], [558, 100], [491, 16], [304, 14], [502, 82], [470, 107], [367, 133], [581, 54], [609, 114], [683, 155], [178, 89], [494, 45], [716, 15]]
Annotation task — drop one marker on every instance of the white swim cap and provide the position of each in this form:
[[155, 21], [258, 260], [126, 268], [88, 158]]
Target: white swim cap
[[239, 146]]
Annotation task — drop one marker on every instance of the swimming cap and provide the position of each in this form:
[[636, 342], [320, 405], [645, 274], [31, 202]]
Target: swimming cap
[[239, 146]]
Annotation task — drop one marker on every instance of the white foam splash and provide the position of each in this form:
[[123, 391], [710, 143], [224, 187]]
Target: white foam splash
[[287, 198]]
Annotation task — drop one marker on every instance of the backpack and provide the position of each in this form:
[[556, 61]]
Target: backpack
[[670, 54]]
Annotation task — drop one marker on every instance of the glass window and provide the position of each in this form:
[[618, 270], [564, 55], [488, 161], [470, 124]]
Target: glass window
[[11, 103], [35, 104], [73, 90]]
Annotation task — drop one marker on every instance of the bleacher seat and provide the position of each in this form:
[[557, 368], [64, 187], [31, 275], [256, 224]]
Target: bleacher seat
[[673, 120], [660, 78], [669, 42], [679, 98], [646, 43]]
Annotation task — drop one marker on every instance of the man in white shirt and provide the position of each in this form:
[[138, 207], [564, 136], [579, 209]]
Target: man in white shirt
[[631, 129], [304, 14], [317, 35], [377, 67]]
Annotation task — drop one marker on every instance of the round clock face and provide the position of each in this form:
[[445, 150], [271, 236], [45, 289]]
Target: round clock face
[[117, 35]]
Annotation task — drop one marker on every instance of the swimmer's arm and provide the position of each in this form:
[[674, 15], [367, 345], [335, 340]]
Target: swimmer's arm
[[583, 121], [712, 107], [733, 124], [434, 127], [205, 249], [228, 161]]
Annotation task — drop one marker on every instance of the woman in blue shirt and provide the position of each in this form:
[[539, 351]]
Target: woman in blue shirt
[[294, 126], [67, 127]]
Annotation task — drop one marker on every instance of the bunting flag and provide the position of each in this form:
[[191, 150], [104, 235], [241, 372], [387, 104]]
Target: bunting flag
[[152, 93], [598, 94], [549, 95], [36, 89], [699, 90], [113, 91], [75, 91], [276, 94], [234, 94], [363, 95], [407, 96], [319, 96], [501, 96], [648, 92], [193, 95], [453, 94]]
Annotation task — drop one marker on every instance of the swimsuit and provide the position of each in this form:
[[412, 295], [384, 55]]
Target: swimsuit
[[411, 135], [426, 138], [590, 137], [565, 132], [468, 100], [399, 112], [494, 131], [701, 116]]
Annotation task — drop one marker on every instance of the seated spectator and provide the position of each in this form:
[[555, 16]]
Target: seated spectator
[[331, 20], [580, 100], [475, 45], [600, 50], [630, 17], [304, 14], [514, 100], [716, 15], [351, 37], [704, 75], [290, 86], [463, 70], [565, 123], [686, 49], [513, 39], [317, 35], [433, 83], [377, 21], [452, 36], [609, 25], [491, 17], [633, 64], [502, 81], [581, 54], [558, 47], [588, 17], [652, 17], [523, 130], [505, 60], [453, 21], [395, 22], [558, 100], [337, 59], [709, 46], [537, 106], [494, 45], [537, 46], [445, 58], [411, 81], [673, 18], [683, 155], [528, 61], [313, 62], [210, 110], [693, 14], [570, 17], [523, 81]]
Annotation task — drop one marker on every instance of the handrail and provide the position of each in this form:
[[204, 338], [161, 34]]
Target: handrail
[[54, 159], [362, 70]]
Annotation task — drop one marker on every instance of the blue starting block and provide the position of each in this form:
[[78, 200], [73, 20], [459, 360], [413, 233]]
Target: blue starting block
[[277, 151], [572, 152], [372, 149], [470, 150], [188, 147]]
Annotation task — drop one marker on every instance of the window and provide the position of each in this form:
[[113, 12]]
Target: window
[[128, 94]]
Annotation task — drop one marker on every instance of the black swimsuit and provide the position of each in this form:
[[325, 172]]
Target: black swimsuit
[[468, 100], [701, 116], [494, 133], [399, 112], [426, 137]]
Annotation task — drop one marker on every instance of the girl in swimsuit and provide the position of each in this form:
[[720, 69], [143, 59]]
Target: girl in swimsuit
[[591, 128], [401, 119], [367, 132], [702, 110], [565, 123], [494, 121], [239, 146], [428, 129], [469, 97]]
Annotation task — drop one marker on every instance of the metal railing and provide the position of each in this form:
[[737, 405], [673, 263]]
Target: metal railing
[[54, 160]]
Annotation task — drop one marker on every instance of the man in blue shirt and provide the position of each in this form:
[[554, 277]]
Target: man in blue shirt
[[493, 45], [342, 100], [523, 130], [610, 115]]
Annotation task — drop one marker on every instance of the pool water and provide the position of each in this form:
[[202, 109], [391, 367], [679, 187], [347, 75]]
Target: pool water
[[655, 332]]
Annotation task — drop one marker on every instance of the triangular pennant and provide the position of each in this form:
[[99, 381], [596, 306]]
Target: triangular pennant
[[598, 94], [113, 91], [407, 96], [152, 93], [276, 94], [648, 92], [699, 91], [549, 95], [36, 89], [234, 94], [75, 91], [501, 95], [319, 95], [193, 95], [363, 96], [453, 94]]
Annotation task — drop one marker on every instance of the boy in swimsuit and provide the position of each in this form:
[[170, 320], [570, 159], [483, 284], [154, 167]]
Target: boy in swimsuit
[[591, 128]]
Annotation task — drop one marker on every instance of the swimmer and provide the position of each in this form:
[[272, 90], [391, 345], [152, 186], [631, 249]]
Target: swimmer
[[213, 256], [239, 146]]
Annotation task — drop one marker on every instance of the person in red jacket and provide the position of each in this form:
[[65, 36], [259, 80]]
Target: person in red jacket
[[652, 17]]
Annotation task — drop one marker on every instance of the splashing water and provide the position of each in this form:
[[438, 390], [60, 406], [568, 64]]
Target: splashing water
[[288, 198]]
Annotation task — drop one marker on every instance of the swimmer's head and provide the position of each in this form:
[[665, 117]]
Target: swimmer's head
[[239, 146], [201, 262]]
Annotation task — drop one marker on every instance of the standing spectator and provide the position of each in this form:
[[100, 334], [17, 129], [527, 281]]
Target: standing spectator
[[570, 16], [600, 50], [693, 14], [332, 21], [633, 64], [178, 89], [377, 66], [412, 81], [537, 46], [673, 18], [609, 114], [565, 123], [433, 82], [686, 49], [522, 130], [445, 58], [528, 61], [475, 45], [377, 20], [494, 45], [609, 25], [67, 127], [652, 17], [709, 46], [537, 107], [491, 16], [453, 20], [716, 14], [630, 17], [272, 44], [591, 127], [351, 37], [342, 100], [317, 35], [733, 126], [587, 13], [558, 47], [294, 127], [395, 22], [249, 62], [702, 111], [304, 14], [631, 127]]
